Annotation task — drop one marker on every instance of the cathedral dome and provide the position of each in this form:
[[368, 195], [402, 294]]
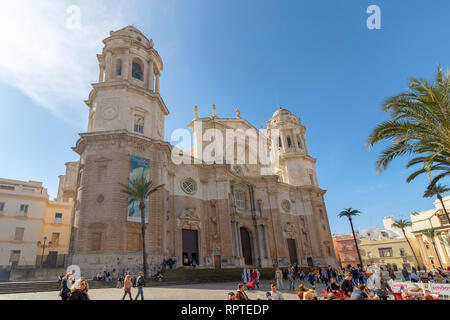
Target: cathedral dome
[[135, 34], [281, 111], [284, 115]]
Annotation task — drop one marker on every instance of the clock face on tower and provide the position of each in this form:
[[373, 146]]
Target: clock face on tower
[[110, 112]]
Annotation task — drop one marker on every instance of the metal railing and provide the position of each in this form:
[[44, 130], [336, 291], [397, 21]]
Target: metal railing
[[51, 261]]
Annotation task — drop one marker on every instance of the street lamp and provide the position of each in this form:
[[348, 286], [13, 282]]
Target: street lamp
[[43, 246]]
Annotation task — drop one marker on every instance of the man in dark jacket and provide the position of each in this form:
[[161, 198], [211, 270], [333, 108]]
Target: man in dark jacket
[[140, 282], [240, 294], [405, 274], [65, 283]]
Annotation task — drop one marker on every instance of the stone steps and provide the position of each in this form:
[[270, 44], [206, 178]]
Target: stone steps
[[41, 286], [189, 275]]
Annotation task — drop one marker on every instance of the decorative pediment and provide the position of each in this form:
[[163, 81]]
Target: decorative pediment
[[189, 219], [289, 230]]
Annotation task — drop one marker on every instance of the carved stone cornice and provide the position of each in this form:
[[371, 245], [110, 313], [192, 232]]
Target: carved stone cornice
[[118, 135], [125, 84]]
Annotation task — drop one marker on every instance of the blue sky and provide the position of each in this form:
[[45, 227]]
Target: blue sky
[[316, 58]]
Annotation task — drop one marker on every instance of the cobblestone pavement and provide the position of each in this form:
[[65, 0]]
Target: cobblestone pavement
[[208, 291]]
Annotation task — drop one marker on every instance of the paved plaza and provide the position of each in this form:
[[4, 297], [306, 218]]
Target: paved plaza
[[207, 291]]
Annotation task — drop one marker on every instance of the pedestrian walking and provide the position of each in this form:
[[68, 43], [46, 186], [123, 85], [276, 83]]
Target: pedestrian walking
[[302, 276], [140, 286], [120, 281], [127, 284], [392, 274], [385, 289], [65, 283], [257, 278], [291, 277], [312, 279], [340, 274], [405, 274], [325, 278], [279, 278], [245, 279], [60, 279]]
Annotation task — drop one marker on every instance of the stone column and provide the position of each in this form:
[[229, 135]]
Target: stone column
[[126, 66], [238, 239], [280, 247], [157, 83], [108, 65], [260, 242], [283, 142], [233, 234], [102, 74], [265, 242], [151, 77]]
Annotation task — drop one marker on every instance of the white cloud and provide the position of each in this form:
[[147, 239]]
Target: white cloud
[[49, 62]]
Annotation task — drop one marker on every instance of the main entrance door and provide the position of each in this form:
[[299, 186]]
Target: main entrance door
[[246, 246], [190, 245], [292, 251]]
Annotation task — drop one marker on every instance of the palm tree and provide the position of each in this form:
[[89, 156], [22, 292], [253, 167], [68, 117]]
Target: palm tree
[[431, 233], [419, 126], [403, 224], [349, 213], [437, 190], [139, 190]]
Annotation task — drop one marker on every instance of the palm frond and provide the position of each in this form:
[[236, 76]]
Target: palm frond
[[419, 125]]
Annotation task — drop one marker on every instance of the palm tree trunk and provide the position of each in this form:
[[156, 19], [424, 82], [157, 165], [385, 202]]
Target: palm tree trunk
[[356, 242], [410, 246], [443, 207], [144, 252], [437, 254]]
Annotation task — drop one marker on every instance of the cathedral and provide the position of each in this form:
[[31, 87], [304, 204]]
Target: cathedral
[[220, 214]]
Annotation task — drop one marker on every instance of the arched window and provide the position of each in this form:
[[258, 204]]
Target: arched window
[[119, 67], [279, 142], [138, 123], [289, 142], [137, 70], [299, 142], [240, 199]]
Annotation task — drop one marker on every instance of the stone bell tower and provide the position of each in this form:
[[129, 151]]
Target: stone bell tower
[[295, 166], [127, 93], [125, 138]]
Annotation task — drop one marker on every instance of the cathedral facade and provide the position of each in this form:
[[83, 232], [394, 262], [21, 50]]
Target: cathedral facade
[[218, 213]]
